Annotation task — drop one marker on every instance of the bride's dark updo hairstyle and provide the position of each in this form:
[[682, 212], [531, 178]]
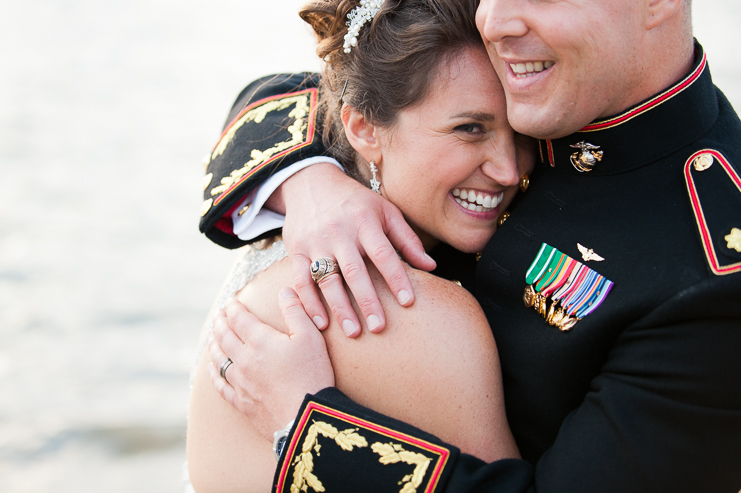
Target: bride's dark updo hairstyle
[[397, 56]]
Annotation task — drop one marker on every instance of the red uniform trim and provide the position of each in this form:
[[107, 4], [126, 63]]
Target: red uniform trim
[[702, 225], [313, 407], [551, 159], [661, 98]]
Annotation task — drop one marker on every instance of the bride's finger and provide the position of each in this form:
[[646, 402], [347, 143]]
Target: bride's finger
[[242, 323], [226, 338], [225, 390], [223, 366], [293, 312], [218, 357]]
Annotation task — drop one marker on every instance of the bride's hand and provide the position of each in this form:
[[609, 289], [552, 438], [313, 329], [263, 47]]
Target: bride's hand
[[331, 215], [271, 371]]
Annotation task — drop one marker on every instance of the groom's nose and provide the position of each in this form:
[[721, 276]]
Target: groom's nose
[[498, 19]]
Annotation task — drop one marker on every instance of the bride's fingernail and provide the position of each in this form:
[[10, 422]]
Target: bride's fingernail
[[287, 293], [318, 321], [349, 327], [403, 297], [373, 322]]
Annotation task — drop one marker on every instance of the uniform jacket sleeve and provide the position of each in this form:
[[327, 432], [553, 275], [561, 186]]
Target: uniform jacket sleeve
[[664, 414], [273, 124]]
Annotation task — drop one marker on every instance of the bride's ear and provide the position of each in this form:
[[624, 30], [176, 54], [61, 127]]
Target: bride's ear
[[361, 134]]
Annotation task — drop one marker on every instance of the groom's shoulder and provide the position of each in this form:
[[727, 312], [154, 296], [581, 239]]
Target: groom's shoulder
[[712, 172]]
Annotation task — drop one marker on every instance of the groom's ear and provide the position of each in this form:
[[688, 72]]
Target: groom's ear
[[658, 11], [361, 133]]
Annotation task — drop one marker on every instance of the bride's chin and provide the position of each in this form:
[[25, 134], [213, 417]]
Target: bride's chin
[[471, 244]]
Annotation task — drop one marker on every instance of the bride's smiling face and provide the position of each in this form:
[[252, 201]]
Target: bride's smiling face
[[450, 162]]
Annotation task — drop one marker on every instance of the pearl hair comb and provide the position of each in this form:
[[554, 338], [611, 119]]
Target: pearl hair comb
[[357, 18]]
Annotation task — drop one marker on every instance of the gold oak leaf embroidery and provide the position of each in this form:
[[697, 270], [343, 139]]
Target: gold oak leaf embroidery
[[392, 453], [257, 115], [303, 477]]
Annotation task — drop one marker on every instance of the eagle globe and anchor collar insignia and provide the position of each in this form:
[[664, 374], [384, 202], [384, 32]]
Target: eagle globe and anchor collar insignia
[[589, 156], [574, 289]]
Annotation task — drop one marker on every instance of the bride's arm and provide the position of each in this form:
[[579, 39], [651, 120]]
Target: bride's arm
[[436, 366]]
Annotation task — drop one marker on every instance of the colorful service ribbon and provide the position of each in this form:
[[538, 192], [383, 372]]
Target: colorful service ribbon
[[574, 289]]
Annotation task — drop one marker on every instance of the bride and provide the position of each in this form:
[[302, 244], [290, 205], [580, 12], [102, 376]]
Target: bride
[[412, 107]]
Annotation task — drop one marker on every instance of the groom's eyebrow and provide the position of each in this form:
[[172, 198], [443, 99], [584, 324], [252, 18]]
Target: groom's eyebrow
[[476, 115]]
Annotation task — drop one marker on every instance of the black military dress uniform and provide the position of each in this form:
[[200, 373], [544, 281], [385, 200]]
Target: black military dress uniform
[[614, 294]]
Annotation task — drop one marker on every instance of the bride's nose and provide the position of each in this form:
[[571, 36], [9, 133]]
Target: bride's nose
[[502, 168]]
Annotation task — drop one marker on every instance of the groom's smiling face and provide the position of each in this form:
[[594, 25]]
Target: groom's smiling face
[[564, 63]]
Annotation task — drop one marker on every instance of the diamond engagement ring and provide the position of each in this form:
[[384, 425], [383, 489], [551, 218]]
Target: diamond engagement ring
[[323, 267]]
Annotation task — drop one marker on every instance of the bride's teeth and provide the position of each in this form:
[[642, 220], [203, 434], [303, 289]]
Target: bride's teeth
[[538, 66], [476, 201], [547, 64], [529, 67], [521, 68]]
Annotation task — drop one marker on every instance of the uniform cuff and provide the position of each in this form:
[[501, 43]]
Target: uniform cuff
[[338, 445]]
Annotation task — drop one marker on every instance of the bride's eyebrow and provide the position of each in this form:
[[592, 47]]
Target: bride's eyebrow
[[481, 116]]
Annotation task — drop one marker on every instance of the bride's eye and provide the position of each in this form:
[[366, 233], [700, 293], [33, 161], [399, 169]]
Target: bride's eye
[[472, 129]]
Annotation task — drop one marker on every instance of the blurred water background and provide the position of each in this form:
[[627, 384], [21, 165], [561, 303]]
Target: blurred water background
[[106, 110]]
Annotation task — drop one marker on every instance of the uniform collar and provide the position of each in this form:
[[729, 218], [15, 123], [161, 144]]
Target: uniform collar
[[646, 132]]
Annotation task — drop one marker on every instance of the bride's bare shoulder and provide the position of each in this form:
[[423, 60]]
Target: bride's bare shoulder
[[438, 302]]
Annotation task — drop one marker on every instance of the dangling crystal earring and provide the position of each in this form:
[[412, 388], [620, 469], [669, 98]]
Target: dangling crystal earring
[[374, 183]]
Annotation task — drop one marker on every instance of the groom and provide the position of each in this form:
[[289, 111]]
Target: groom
[[613, 288]]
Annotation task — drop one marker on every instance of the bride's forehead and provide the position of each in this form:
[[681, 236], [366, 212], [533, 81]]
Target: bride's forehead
[[467, 78]]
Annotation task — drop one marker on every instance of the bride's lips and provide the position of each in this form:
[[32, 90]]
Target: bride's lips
[[476, 200]]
